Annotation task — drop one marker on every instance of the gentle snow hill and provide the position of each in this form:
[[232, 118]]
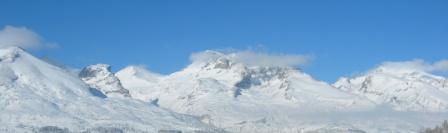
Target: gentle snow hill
[[38, 96], [404, 88]]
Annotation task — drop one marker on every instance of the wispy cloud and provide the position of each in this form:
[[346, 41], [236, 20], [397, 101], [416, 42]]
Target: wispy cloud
[[419, 65], [21, 37], [253, 58], [441, 65]]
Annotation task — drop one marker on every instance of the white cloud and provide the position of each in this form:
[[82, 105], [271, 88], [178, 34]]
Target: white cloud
[[21, 37], [441, 65], [417, 64], [263, 59], [206, 56], [253, 58]]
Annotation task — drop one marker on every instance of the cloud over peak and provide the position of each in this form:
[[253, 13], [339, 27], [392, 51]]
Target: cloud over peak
[[417, 65], [441, 65], [253, 58], [20, 37]]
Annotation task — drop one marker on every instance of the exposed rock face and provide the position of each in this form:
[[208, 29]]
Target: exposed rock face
[[100, 77]]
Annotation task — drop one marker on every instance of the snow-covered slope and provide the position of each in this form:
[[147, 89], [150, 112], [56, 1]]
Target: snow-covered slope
[[405, 88], [219, 90], [100, 77], [239, 97], [242, 97], [140, 80], [282, 85], [35, 95]]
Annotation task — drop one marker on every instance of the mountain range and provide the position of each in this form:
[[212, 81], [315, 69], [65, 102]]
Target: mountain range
[[218, 94]]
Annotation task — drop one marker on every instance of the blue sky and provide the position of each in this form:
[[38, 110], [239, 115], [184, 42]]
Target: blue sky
[[345, 36]]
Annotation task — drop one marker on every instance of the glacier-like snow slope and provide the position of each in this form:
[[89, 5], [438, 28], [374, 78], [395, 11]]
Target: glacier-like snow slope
[[35, 94], [404, 88], [230, 94]]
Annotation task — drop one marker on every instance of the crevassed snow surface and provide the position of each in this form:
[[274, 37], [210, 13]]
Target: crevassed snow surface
[[35, 94]]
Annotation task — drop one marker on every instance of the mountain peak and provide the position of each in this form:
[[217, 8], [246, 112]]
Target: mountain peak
[[14, 48], [39, 97], [405, 68], [405, 87], [139, 81], [403, 71], [100, 77], [210, 59], [137, 70], [10, 53], [222, 60]]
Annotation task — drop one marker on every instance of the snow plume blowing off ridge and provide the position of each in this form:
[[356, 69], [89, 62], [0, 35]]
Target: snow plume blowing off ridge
[[252, 58], [23, 37]]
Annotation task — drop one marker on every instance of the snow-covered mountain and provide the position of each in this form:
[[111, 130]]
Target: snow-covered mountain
[[404, 88], [220, 90], [140, 80], [237, 82], [100, 77], [38, 97], [238, 97]]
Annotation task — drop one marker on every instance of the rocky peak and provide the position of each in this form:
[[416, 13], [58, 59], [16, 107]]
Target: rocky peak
[[10, 54], [100, 77]]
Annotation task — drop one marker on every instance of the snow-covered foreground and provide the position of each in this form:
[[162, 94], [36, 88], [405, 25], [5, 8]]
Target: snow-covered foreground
[[218, 92]]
